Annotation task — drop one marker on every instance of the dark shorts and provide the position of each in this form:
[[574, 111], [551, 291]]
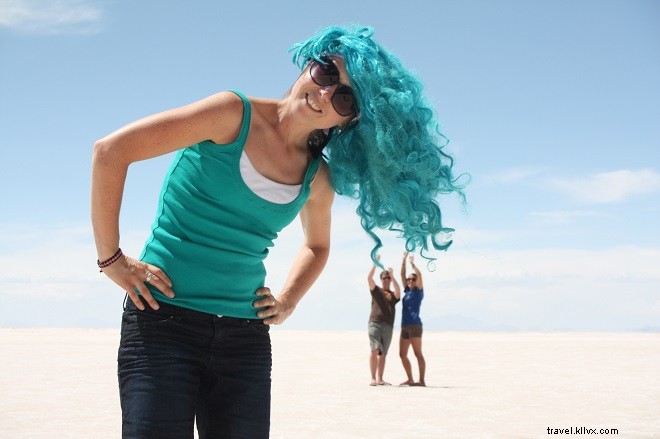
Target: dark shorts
[[411, 331], [177, 365]]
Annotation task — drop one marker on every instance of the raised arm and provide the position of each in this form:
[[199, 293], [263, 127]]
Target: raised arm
[[312, 256], [370, 277], [397, 288], [420, 282], [403, 269], [217, 118]]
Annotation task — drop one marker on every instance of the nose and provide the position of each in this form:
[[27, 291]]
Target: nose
[[327, 91]]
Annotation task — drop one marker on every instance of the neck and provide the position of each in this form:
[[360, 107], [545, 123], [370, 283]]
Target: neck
[[293, 134]]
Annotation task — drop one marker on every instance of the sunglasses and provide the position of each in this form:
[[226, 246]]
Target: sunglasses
[[326, 74], [411, 279]]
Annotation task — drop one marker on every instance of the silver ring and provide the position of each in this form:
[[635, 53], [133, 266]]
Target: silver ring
[[150, 276]]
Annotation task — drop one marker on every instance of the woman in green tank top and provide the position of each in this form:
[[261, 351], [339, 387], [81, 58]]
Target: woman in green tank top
[[195, 342]]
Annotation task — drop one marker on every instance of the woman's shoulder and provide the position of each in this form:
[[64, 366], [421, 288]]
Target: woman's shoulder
[[223, 115], [321, 183], [227, 100], [230, 109]]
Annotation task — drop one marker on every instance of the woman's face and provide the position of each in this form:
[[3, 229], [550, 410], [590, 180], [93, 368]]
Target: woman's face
[[314, 102]]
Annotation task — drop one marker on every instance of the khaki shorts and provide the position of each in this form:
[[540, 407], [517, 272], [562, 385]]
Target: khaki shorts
[[380, 336], [412, 331]]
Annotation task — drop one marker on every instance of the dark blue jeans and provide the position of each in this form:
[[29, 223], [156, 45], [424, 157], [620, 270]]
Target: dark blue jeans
[[176, 364]]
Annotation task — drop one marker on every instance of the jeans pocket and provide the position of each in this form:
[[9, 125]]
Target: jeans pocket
[[148, 320], [149, 315], [259, 327]]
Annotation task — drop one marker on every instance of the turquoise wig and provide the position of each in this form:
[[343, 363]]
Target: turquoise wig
[[391, 159]]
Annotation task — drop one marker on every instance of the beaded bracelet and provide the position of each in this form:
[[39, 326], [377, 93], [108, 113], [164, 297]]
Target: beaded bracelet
[[108, 262]]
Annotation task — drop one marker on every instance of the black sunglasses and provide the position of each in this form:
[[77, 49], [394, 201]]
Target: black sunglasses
[[325, 74]]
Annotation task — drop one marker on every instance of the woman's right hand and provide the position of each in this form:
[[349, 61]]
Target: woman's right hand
[[131, 274]]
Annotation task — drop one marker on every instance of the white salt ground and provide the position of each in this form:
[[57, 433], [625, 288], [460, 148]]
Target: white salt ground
[[61, 383]]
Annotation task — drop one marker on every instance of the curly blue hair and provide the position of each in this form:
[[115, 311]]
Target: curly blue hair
[[391, 159]]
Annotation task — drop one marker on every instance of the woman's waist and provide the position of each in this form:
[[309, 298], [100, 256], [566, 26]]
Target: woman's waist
[[213, 283], [178, 309]]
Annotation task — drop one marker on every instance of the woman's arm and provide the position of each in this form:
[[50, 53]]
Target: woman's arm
[[420, 283], [217, 118], [312, 256], [403, 269]]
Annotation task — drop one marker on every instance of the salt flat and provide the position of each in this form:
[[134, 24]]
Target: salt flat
[[61, 383]]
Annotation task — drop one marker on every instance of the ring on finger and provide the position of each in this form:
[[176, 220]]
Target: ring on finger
[[150, 276]]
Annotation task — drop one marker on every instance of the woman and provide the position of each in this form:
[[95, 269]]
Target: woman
[[411, 323], [381, 321], [195, 341]]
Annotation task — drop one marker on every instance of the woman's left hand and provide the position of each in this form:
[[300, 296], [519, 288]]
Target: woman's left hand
[[276, 310]]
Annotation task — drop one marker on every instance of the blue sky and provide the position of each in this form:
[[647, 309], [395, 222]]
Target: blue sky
[[551, 106]]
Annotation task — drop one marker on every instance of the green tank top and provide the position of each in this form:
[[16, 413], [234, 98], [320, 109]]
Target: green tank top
[[212, 233]]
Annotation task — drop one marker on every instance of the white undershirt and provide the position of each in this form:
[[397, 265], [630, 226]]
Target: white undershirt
[[265, 188]]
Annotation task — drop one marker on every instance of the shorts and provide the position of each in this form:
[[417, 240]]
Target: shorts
[[411, 331], [380, 336]]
